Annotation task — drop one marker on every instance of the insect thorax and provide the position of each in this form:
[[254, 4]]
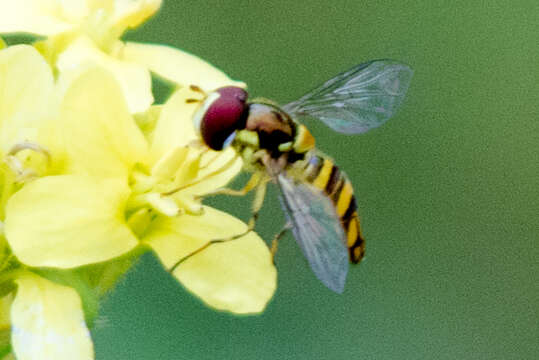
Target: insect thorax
[[271, 132]]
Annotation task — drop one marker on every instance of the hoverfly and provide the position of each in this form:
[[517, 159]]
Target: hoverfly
[[316, 196]]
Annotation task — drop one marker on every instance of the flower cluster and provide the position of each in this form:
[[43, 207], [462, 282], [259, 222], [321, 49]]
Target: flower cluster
[[93, 174]]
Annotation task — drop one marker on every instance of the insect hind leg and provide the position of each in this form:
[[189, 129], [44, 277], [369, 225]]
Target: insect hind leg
[[276, 238], [205, 246], [256, 206]]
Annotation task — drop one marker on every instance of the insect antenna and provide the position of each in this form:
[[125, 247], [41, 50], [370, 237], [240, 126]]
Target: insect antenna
[[197, 89], [276, 238]]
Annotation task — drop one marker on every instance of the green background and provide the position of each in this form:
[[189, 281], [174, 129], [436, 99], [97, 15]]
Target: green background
[[448, 189]]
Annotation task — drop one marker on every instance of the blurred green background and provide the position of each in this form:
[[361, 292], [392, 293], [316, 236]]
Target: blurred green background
[[448, 189]]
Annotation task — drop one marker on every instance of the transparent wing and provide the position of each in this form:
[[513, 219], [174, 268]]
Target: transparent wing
[[317, 229], [357, 100]]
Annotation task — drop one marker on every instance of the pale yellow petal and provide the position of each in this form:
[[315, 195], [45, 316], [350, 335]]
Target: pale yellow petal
[[174, 127], [43, 17], [68, 221], [146, 120], [100, 5], [48, 322], [167, 166], [236, 276], [175, 130], [74, 10], [177, 66], [184, 173], [95, 129], [218, 168], [27, 86], [135, 80], [129, 13]]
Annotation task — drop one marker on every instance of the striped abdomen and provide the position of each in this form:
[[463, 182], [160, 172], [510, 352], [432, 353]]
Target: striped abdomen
[[325, 175]]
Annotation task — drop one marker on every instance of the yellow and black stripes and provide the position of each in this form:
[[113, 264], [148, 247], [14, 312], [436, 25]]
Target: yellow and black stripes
[[326, 176]]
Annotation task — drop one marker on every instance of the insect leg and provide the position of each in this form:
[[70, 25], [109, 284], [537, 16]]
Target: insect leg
[[202, 248], [256, 206], [250, 185], [276, 238], [258, 201]]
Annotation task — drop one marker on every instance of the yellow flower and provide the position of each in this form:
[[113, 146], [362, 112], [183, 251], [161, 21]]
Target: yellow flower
[[25, 79], [85, 33], [82, 33], [44, 320], [86, 185], [47, 321], [109, 189]]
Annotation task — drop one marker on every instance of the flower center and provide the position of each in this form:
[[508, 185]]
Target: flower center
[[165, 190], [24, 162]]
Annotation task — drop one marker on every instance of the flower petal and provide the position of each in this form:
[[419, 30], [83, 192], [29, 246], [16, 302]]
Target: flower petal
[[167, 166], [48, 322], [134, 79], [174, 127], [218, 168], [97, 134], [130, 14], [27, 86], [68, 221], [175, 130], [43, 17], [237, 276], [177, 66]]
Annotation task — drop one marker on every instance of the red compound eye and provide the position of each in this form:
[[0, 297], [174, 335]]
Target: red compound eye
[[223, 112]]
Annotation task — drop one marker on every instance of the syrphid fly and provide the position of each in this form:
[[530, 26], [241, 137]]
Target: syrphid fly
[[316, 196]]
